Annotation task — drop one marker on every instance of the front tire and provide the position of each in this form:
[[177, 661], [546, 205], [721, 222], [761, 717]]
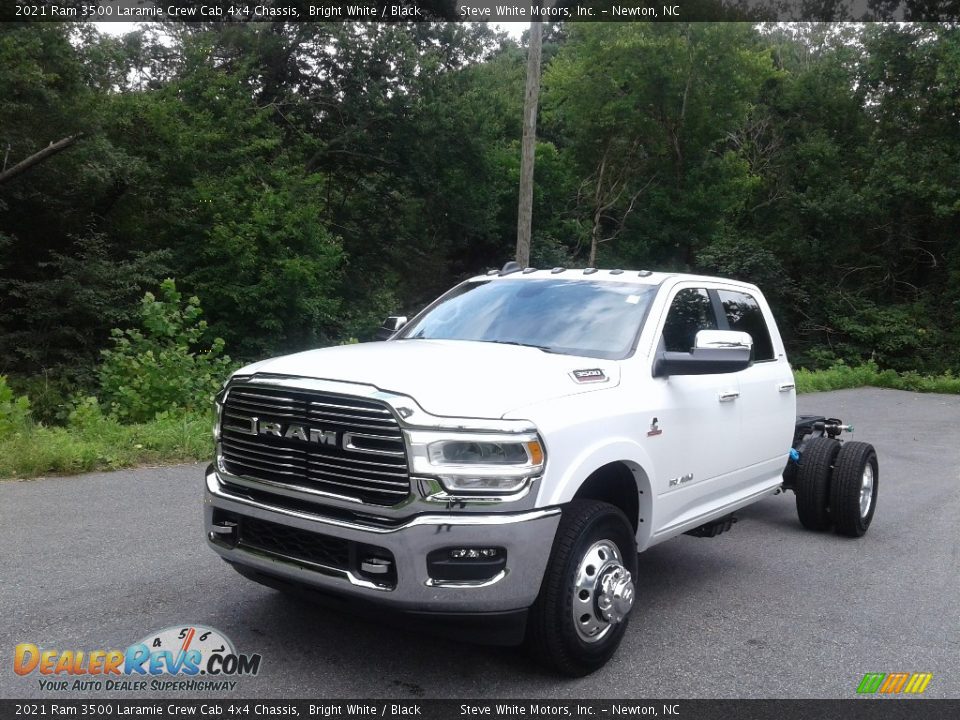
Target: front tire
[[856, 482], [587, 593]]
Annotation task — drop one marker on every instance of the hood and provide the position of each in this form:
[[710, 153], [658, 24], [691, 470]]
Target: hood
[[451, 378]]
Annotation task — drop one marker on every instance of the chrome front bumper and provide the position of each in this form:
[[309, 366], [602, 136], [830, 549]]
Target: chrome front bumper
[[526, 536]]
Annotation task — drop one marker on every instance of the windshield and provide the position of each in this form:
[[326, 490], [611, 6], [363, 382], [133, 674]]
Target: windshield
[[574, 317]]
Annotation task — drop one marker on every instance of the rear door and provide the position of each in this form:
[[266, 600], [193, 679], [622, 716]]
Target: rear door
[[767, 398]]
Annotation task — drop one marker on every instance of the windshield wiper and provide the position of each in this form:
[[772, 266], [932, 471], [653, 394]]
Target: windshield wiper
[[544, 348]]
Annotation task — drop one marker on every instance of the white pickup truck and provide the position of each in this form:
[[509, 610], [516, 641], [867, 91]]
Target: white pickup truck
[[501, 458]]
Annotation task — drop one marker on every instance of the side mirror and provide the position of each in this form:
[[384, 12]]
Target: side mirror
[[390, 326], [714, 352], [712, 339]]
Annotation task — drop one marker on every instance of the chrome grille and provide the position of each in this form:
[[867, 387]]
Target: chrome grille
[[315, 442]]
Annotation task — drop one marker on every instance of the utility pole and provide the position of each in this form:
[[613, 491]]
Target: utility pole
[[528, 146]]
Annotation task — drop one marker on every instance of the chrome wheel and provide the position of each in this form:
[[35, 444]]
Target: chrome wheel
[[603, 591], [866, 490]]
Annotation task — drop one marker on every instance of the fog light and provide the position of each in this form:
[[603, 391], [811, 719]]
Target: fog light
[[466, 564], [472, 553]]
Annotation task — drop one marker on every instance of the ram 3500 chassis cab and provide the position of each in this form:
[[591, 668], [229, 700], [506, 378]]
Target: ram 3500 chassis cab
[[501, 459]]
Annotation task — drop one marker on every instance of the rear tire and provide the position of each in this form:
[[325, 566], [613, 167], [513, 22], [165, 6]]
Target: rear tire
[[856, 482], [813, 483], [589, 578]]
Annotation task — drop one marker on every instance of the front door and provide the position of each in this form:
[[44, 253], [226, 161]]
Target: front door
[[697, 438]]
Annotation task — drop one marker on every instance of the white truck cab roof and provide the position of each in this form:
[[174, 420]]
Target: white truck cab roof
[[639, 277]]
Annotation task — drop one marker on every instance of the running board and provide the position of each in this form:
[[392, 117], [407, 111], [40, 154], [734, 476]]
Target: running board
[[713, 528]]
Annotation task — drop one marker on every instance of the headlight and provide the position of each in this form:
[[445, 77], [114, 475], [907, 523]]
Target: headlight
[[464, 452], [483, 463]]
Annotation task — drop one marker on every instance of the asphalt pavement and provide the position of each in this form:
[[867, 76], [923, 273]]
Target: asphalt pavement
[[766, 610]]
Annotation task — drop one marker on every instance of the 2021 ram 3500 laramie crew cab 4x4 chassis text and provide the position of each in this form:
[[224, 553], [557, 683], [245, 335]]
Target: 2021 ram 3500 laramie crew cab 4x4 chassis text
[[500, 460]]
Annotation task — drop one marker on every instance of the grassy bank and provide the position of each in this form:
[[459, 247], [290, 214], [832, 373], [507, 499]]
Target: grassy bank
[[840, 377], [93, 441], [36, 450]]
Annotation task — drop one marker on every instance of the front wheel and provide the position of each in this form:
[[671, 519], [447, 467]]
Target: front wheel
[[587, 593]]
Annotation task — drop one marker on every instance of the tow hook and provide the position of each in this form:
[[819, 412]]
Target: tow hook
[[225, 532]]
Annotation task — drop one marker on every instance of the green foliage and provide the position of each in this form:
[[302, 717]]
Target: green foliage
[[306, 180], [165, 365], [87, 415], [896, 335], [51, 397], [14, 410], [243, 218], [267, 266], [837, 377], [62, 317], [841, 376], [647, 110], [97, 442]]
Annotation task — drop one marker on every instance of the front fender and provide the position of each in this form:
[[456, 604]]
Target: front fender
[[574, 468]]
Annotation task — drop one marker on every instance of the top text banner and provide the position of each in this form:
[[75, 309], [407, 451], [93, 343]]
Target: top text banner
[[481, 10]]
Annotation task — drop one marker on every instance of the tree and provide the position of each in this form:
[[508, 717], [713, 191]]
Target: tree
[[530, 102], [304, 179], [63, 282], [646, 109]]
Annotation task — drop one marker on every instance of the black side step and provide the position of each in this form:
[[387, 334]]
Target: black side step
[[714, 528]]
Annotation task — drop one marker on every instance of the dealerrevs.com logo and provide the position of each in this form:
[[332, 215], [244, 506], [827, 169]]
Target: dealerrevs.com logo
[[191, 657]]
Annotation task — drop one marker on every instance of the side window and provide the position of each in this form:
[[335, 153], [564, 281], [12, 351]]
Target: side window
[[744, 314], [690, 311]]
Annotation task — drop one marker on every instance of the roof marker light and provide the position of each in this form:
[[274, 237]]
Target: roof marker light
[[644, 273], [527, 271], [558, 270], [618, 271], [589, 271]]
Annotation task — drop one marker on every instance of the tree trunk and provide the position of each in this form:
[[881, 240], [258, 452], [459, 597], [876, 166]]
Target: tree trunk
[[594, 239], [597, 210], [38, 157], [530, 100]]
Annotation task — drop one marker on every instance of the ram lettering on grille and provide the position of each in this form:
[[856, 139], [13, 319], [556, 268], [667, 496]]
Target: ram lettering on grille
[[315, 442]]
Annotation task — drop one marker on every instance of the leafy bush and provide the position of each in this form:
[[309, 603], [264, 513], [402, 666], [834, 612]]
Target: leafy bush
[[87, 415], [901, 337], [166, 365], [14, 411], [51, 394]]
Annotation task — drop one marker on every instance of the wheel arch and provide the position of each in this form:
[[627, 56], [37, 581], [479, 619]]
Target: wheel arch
[[617, 473]]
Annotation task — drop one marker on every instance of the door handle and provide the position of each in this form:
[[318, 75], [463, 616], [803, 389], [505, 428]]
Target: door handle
[[786, 387], [729, 396]]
